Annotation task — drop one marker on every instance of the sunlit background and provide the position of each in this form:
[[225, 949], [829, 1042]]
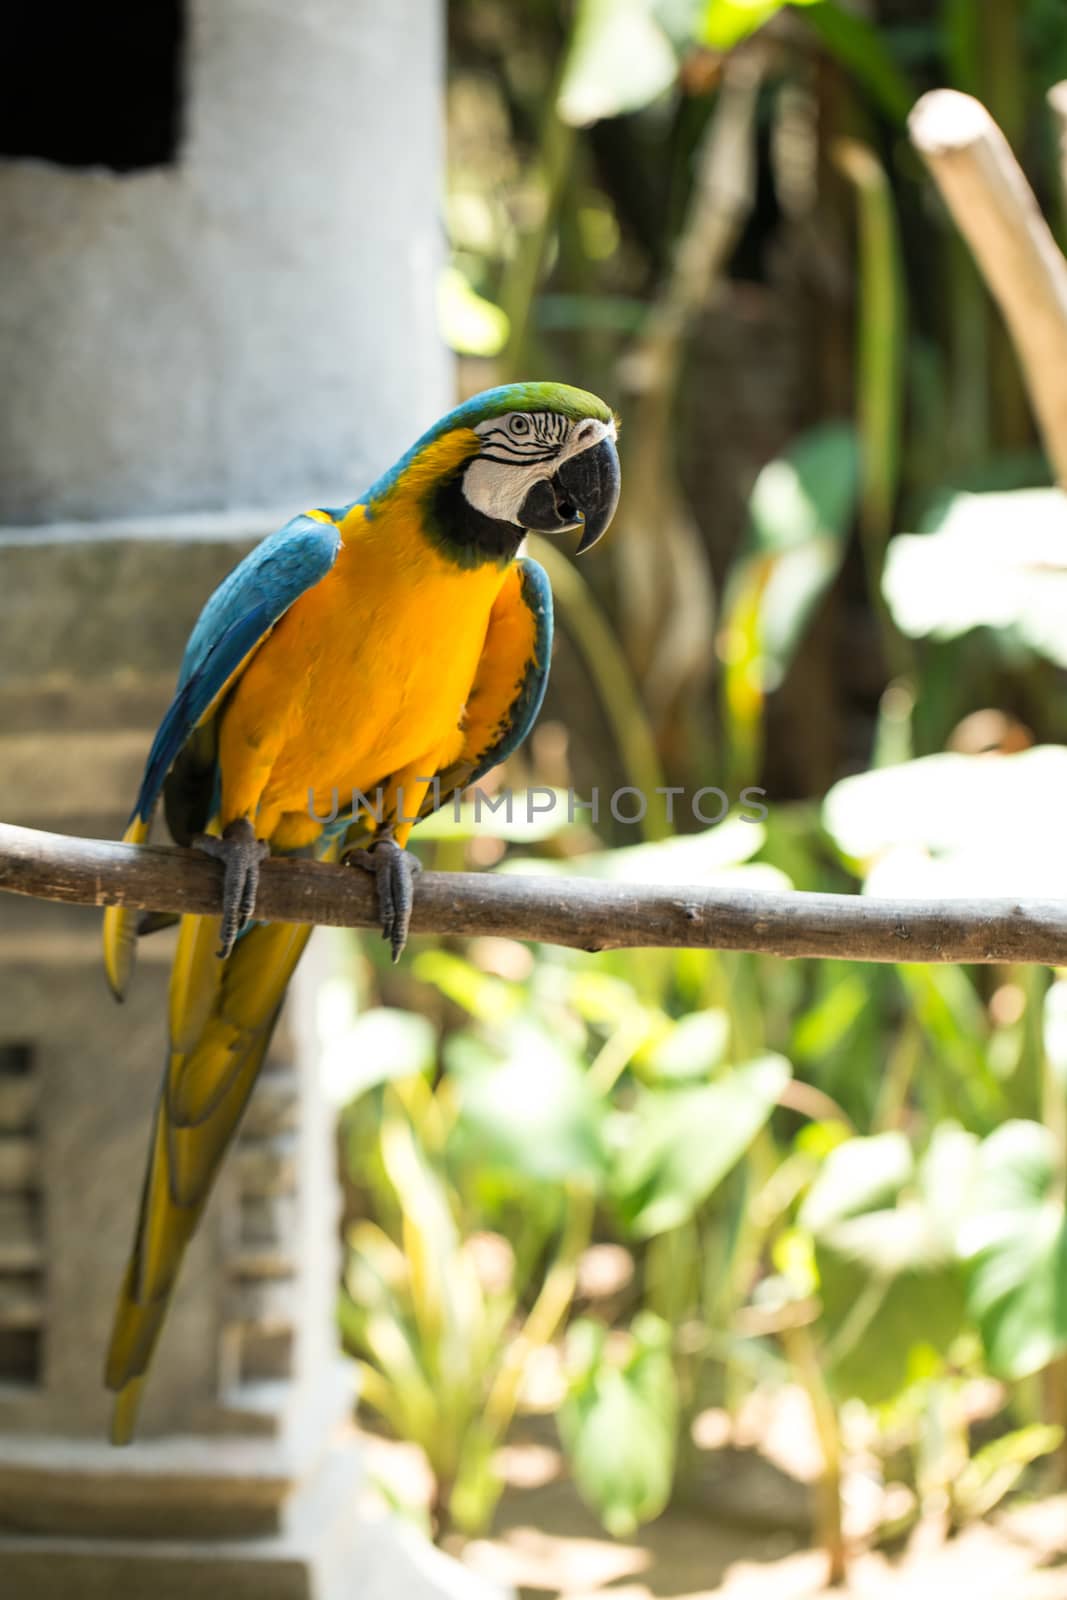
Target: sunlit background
[[681, 1236]]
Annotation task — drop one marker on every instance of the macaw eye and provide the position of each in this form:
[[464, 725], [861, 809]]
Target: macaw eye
[[520, 424]]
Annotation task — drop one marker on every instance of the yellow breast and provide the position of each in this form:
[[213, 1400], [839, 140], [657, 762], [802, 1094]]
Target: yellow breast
[[366, 673]]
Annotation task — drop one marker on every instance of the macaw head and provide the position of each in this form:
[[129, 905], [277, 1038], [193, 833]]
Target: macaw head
[[523, 458], [546, 459]]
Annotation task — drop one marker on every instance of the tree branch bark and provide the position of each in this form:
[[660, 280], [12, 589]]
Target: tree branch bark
[[584, 913]]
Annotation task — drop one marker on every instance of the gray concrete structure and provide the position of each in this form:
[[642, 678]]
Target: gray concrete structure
[[197, 351], [255, 324]]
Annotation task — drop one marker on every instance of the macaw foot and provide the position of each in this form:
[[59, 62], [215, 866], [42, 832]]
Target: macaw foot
[[394, 870], [240, 853]]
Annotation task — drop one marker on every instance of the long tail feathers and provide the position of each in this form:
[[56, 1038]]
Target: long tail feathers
[[222, 1014], [120, 925]]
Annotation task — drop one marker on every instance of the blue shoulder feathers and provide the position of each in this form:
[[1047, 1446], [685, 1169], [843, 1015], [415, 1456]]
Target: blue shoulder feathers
[[242, 610]]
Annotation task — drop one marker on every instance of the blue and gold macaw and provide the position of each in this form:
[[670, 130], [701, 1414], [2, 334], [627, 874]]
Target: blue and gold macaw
[[371, 649]]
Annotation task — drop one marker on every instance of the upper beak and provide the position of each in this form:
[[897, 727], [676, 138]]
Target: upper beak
[[585, 490]]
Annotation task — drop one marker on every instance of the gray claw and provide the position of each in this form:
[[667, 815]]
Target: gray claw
[[394, 872], [240, 853]]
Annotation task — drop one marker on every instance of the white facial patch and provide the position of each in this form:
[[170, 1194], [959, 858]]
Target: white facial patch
[[518, 450]]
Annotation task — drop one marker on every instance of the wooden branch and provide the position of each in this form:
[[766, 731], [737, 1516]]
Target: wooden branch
[[584, 913], [995, 210]]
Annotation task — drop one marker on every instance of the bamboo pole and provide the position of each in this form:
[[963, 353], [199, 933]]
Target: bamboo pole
[[995, 210]]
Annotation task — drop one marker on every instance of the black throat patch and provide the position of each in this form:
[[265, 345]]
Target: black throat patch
[[463, 533]]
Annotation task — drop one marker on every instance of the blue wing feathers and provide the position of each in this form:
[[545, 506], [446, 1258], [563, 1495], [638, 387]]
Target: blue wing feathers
[[244, 607], [274, 574]]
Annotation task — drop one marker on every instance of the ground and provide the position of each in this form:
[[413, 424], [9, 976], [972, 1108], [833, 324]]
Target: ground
[[745, 1537]]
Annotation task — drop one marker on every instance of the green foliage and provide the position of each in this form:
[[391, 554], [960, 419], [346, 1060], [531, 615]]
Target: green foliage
[[800, 515], [527, 1108], [1016, 1244], [846, 1177], [619, 60], [619, 1419], [995, 1469], [858, 47], [559, 1094], [682, 1142], [884, 1252]]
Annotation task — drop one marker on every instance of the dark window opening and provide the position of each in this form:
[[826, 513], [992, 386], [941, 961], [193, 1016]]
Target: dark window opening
[[20, 1356], [18, 1087], [266, 1355], [22, 1266], [21, 1327], [93, 86], [16, 1060]]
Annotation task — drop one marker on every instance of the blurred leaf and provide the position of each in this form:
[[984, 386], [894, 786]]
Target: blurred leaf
[[381, 1045], [478, 1485], [880, 338], [807, 496], [526, 1107], [431, 1239], [995, 1469], [859, 47], [858, 1176], [989, 560], [946, 1174], [1055, 1031], [888, 1280], [486, 997], [1015, 1240], [829, 1020], [718, 855], [727, 23], [887, 1242], [957, 824], [376, 1269], [470, 325], [619, 60], [953, 1019], [599, 997], [679, 19], [692, 1048], [800, 512], [881, 1328], [682, 1142], [613, 313], [961, 26], [817, 1139], [856, 44], [618, 1421]]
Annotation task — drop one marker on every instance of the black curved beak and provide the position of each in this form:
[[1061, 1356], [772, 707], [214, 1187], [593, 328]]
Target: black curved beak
[[584, 491]]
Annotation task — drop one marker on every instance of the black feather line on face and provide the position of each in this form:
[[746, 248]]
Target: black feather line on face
[[540, 438], [527, 458]]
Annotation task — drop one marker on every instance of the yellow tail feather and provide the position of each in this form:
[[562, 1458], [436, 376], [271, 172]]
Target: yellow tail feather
[[222, 1015], [120, 926]]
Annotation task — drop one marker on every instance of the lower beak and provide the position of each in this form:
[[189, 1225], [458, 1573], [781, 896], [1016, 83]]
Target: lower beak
[[584, 491]]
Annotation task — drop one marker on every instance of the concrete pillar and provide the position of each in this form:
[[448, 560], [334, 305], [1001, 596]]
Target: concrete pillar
[[194, 352]]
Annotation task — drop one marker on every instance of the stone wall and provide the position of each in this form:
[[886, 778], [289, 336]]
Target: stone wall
[[197, 350]]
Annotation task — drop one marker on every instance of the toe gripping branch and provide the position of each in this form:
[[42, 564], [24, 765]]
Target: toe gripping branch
[[394, 870], [240, 853]]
